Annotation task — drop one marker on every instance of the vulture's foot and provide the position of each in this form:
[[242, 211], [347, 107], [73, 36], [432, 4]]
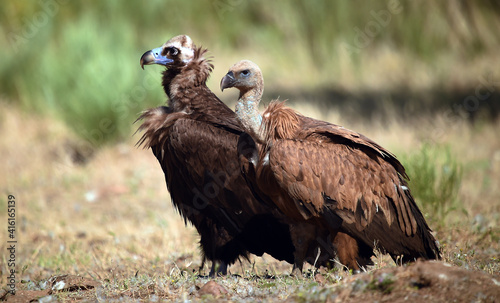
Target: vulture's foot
[[220, 270]]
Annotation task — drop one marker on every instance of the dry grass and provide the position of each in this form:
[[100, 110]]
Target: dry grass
[[111, 219]]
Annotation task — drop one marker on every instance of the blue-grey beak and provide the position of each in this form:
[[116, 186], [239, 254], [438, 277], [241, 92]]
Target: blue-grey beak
[[228, 81], [154, 56]]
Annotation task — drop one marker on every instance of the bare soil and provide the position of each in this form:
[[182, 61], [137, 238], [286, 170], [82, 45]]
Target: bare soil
[[430, 281]]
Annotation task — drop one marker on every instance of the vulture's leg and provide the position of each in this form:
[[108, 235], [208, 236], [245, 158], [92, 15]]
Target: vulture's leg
[[222, 270], [302, 235], [202, 264], [213, 269], [325, 250], [219, 268], [347, 251]]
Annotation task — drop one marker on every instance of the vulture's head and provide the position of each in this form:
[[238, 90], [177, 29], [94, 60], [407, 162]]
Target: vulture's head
[[175, 53], [244, 75]]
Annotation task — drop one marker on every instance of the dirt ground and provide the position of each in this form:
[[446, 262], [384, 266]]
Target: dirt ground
[[99, 226], [423, 281]]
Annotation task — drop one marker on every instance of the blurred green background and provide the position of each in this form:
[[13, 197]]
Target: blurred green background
[[78, 61]]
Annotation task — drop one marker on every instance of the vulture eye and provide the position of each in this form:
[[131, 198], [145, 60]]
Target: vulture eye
[[174, 51], [245, 73]]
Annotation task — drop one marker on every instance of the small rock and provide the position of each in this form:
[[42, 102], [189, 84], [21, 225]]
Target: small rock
[[71, 283], [212, 288], [46, 299], [320, 279], [91, 196]]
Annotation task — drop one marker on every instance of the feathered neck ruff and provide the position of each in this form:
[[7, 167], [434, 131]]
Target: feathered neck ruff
[[181, 76], [280, 122]]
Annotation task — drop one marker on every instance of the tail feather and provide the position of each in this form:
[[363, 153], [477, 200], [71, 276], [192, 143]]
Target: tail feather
[[388, 239]]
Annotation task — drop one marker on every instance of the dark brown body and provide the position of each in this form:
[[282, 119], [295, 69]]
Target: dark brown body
[[194, 140]]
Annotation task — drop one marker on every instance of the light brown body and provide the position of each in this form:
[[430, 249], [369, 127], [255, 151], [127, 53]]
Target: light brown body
[[323, 175]]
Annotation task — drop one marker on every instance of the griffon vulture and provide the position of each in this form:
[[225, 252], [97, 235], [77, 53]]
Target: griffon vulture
[[327, 176]]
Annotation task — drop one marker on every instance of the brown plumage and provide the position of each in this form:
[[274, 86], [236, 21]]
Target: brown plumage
[[328, 176], [195, 140]]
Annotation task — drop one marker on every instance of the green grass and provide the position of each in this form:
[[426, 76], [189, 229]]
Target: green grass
[[90, 79], [435, 179], [383, 283], [78, 61]]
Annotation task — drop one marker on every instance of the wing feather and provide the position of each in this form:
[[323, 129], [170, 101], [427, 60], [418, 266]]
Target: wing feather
[[362, 185]]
